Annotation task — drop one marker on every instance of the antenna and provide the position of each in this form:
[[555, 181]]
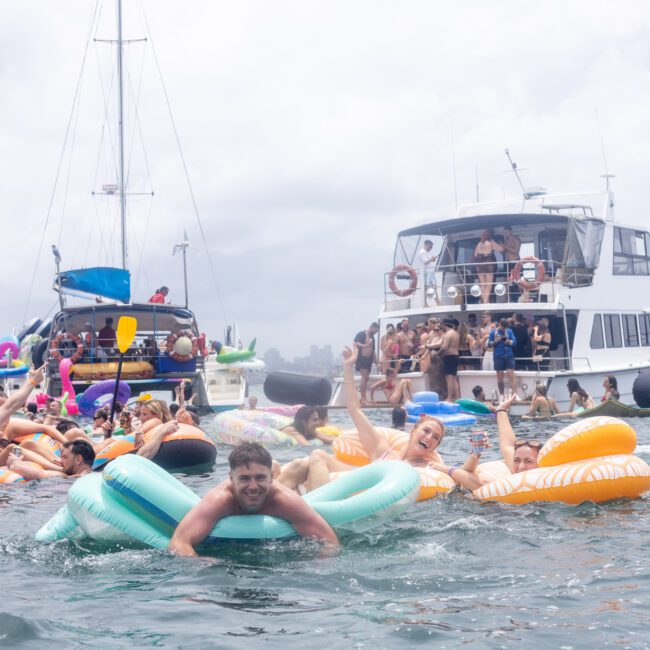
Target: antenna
[[476, 178], [528, 193], [453, 161], [606, 175]]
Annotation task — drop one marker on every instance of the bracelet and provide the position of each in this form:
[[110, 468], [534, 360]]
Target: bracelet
[[501, 411], [32, 382], [451, 470]]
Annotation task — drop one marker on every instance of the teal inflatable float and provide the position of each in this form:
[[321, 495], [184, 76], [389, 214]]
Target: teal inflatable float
[[134, 500]]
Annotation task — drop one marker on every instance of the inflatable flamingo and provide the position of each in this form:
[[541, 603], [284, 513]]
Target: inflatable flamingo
[[68, 400]]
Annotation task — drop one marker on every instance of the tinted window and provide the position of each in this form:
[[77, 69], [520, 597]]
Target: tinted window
[[612, 325], [630, 332], [644, 328], [631, 252], [597, 342]]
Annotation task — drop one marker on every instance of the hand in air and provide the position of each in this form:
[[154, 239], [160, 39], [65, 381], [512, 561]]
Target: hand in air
[[107, 429], [37, 375], [507, 402], [350, 355]]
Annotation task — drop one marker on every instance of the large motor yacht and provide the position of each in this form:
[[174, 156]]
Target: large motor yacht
[[580, 268]]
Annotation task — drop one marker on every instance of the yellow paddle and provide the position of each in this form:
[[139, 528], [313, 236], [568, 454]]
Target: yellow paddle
[[126, 328]]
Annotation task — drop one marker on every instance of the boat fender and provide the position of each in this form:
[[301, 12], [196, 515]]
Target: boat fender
[[294, 388]]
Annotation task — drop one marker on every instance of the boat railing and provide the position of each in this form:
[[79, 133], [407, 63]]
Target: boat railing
[[538, 282]]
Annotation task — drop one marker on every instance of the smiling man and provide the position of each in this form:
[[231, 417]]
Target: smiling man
[[249, 490]]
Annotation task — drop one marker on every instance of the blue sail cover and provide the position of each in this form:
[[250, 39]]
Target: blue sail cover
[[100, 281]]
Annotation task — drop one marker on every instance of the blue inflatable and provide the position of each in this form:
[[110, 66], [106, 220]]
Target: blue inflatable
[[428, 403]]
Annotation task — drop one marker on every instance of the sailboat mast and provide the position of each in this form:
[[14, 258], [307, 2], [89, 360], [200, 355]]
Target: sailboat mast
[[120, 99]]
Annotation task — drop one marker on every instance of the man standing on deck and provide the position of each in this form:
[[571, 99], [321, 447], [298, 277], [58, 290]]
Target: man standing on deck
[[406, 341], [249, 490], [106, 336], [502, 340], [511, 248], [365, 342], [428, 265], [448, 352]]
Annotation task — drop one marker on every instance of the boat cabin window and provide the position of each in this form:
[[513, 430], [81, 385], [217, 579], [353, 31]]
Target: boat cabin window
[[612, 324], [597, 342], [631, 252], [644, 328], [630, 331]]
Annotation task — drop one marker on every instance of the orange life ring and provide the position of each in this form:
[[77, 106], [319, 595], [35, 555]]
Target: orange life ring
[[172, 338], [402, 293], [66, 336], [540, 273]]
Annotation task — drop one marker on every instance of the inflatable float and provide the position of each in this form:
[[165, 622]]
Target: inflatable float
[[134, 500], [187, 448], [428, 403], [590, 460], [230, 355], [106, 370], [101, 394], [473, 407], [235, 427]]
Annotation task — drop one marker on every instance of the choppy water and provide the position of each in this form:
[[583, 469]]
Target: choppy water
[[451, 572]]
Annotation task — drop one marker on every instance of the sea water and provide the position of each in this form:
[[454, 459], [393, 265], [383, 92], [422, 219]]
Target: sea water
[[450, 572]]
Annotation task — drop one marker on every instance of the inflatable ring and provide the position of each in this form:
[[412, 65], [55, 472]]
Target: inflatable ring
[[134, 499], [413, 280], [17, 368], [473, 406], [171, 340], [56, 346], [590, 460], [91, 399], [540, 273]]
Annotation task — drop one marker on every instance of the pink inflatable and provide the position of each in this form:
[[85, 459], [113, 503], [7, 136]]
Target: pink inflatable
[[68, 399]]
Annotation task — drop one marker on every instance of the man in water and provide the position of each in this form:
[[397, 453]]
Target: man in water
[[77, 457], [365, 343], [249, 490], [479, 396]]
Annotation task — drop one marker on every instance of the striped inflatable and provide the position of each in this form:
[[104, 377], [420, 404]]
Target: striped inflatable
[[234, 427], [348, 448], [590, 460]]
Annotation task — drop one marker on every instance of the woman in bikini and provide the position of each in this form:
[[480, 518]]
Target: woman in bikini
[[580, 398], [396, 392], [486, 263], [542, 406]]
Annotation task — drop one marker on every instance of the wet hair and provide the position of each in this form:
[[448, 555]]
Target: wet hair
[[247, 453], [159, 409], [322, 412], [574, 387], [301, 418], [541, 389], [174, 408], [82, 448], [102, 413], [65, 425], [32, 408], [477, 390], [613, 383], [398, 417]]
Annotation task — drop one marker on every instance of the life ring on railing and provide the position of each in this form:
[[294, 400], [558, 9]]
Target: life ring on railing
[[540, 273], [172, 339], [413, 276], [63, 341]]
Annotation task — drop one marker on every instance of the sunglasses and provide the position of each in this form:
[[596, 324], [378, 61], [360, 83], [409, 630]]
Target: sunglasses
[[533, 444], [98, 417]]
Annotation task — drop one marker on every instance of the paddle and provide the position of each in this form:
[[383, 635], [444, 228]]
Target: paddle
[[126, 328]]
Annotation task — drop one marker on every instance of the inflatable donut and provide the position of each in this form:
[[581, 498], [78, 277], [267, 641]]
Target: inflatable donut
[[101, 394], [235, 427], [589, 460], [7, 477]]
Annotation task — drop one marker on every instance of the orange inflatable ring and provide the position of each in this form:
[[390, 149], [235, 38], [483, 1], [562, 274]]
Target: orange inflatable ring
[[590, 460], [392, 280], [172, 338], [540, 273], [66, 336]]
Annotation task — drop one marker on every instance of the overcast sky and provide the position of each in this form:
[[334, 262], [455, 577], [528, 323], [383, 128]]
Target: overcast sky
[[312, 131]]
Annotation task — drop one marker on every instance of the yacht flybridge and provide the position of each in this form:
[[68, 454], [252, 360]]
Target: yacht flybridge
[[580, 268]]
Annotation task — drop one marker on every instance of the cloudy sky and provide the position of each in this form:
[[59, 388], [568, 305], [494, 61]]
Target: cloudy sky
[[312, 132]]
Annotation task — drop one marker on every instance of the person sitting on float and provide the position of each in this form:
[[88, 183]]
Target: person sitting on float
[[519, 455], [542, 406], [77, 457], [305, 422], [479, 396], [420, 451], [580, 399], [395, 391], [611, 389], [249, 489]]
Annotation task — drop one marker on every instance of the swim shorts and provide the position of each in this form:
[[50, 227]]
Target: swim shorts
[[450, 364], [504, 363]]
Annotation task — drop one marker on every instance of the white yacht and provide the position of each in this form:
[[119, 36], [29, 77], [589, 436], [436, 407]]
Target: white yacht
[[581, 268]]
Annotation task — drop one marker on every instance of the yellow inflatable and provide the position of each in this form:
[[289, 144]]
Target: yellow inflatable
[[590, 460], [108, 370], [348, 448]]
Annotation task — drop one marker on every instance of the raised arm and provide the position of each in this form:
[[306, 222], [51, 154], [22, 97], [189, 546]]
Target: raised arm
[[506, 433], [374, 444], [200, 520], [18, 398]]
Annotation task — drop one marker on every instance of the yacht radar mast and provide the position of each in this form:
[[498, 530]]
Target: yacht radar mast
[[530, 192]]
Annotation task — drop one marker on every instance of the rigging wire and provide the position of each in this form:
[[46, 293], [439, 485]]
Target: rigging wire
[[58, 171], [187, 177]]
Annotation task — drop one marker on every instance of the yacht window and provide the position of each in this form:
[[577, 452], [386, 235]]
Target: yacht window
[[597, 342], [630, 331], [612, 323], [631, 252], [644, 328]]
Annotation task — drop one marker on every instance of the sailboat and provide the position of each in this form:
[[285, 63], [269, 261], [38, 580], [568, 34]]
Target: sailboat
[[169, 346]]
